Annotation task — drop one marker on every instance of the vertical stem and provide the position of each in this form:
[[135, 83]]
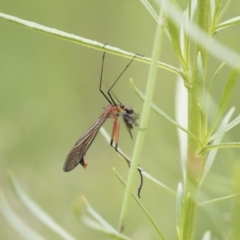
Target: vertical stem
[[144, 119], [196, 123]]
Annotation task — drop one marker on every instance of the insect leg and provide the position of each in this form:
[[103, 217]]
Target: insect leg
[[129, 164], [117, 131], [113, 131]]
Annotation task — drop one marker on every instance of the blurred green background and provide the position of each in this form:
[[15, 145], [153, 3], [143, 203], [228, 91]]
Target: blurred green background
[[49, 97]]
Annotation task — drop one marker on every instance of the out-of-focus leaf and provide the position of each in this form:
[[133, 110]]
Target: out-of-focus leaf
[[225, 8], [98, 227], [179, 204], [207, 236], [181, 102], [229, 23], [98, 218], [16, 222], [218, 199], [100, 224], [39, 213]]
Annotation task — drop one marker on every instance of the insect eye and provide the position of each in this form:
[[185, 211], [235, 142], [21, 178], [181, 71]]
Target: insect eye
[[129, 110]]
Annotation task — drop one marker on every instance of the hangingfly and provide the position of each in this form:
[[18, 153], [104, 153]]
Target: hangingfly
[[78, 153]]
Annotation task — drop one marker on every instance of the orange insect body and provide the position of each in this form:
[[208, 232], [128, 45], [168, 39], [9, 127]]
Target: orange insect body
[[78, 153]]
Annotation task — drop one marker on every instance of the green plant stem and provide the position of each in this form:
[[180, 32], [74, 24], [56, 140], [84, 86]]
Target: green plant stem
[[86, 42], [137, 151], [196, 123]]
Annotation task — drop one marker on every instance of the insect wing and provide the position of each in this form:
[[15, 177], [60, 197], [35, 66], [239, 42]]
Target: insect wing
[[130, 122], [127, 126], [78, 152]]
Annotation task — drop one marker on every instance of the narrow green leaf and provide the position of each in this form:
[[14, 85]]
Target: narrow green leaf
[[220, 146], [179, 204], [213, 9], [184, 34], [226, 95], [175, 37], [212, 84], [162, 113], [152, 12], [181, 115], [98, 227], [141, 206], [39, 213], [211, 156], [225, 129], [16, 222], [98, 218], [163, 186], [192, 7], [202, 106], [214, 47], [96, 222], [184, 43], [178, 233], [229, 23], [150, 9], [225, 8], [218, 199]]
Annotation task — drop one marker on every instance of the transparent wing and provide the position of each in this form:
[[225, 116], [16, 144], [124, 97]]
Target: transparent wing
[[128, 127], [78, 152]]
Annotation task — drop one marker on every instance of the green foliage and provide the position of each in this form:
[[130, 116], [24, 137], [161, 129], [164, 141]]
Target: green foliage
[[197, 25]]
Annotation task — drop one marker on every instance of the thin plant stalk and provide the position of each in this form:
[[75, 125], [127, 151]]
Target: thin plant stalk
[[143, 121]]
